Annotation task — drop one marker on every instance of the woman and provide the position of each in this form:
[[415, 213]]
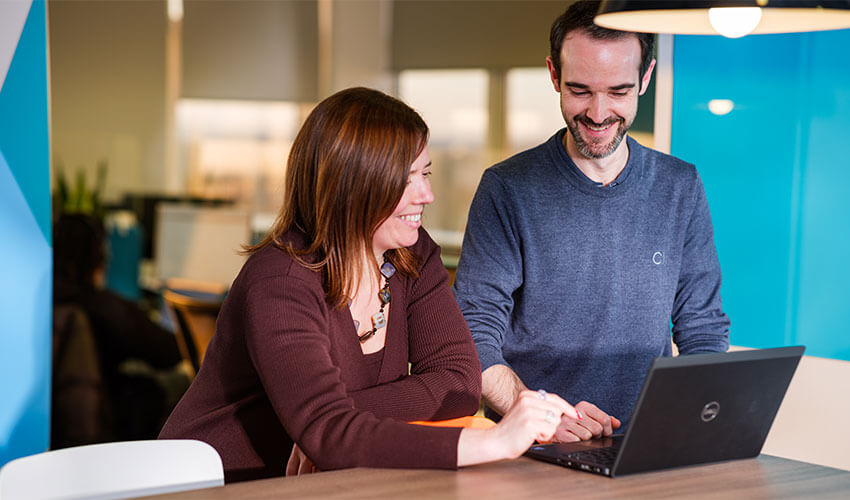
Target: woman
[[341, 326]]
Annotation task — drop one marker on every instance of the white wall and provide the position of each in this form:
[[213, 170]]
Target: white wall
[[811, 425], [360, 40], [250, 49], [107, 64]]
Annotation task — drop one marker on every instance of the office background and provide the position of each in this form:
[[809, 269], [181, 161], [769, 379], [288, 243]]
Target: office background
[[120, 72]]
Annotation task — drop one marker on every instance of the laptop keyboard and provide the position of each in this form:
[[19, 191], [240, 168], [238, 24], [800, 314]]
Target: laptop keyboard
[[600, 456], [599, 459]]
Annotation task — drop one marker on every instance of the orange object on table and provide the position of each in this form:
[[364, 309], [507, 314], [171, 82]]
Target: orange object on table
[[472, 422]]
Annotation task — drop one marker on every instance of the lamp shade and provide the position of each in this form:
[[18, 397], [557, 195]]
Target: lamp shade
[[692, 17]]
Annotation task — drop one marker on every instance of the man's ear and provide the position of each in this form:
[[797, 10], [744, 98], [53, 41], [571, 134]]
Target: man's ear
[[644, 82], [553, 74]]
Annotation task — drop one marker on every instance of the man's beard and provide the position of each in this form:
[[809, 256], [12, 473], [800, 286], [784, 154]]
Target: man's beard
[[593, 149]]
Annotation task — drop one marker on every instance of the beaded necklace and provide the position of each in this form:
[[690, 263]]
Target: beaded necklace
[[378, 319]]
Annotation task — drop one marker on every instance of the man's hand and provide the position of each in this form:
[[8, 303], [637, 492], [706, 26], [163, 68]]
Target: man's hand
[[501, 387], [595, 423], [299, 464]]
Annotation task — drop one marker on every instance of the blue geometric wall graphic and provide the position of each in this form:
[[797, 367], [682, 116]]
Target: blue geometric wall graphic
[[23, 108], [25, 318], [25, 249]]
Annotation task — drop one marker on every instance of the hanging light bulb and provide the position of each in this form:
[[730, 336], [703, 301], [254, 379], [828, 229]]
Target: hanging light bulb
[[734, 22]]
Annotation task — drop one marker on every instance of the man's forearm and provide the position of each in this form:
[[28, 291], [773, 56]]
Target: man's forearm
[[500, 388]]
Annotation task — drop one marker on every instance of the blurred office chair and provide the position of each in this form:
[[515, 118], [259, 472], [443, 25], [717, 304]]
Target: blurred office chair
[[193, 308], [113, 470], [80, 406]]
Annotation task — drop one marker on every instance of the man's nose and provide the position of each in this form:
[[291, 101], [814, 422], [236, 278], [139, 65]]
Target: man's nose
[[598, 108]]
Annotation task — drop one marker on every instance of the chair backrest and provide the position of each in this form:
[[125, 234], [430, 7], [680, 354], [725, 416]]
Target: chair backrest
[[113, 470], [80, 410], [193, 309]]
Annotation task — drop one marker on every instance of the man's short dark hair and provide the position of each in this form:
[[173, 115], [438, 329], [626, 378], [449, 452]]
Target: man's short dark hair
[[579, 16]]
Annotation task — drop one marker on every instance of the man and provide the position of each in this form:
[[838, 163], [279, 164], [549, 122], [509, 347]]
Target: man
[[580, 252]]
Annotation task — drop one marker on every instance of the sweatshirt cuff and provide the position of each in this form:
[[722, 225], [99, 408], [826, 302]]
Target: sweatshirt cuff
[[489, 356]]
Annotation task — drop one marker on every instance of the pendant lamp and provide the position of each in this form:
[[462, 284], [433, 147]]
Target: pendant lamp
[[731, 18]]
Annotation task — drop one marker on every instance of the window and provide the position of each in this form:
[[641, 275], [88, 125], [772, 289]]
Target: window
[[454, 104], [533, 111], [237, 149]]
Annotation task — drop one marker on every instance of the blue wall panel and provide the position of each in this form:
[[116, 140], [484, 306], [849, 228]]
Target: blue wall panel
[[25, 250], [823, 321], [23, 129], [771, 170]]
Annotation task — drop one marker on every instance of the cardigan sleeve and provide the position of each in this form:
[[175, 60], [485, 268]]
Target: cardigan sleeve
[[445, 375], [285, 331]]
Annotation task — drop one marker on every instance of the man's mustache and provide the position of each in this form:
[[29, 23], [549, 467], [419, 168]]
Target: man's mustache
[[587, 121]]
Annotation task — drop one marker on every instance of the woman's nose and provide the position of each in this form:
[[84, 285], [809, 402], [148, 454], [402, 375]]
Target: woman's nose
[[424, 195]]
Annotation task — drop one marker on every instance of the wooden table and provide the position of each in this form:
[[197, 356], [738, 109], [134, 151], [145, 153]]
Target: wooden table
[[762, 477]]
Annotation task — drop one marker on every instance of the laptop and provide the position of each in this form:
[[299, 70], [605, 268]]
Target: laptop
[[691, 410]]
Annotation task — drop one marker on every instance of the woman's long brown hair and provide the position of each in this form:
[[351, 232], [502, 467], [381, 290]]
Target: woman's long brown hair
[[346, 173]]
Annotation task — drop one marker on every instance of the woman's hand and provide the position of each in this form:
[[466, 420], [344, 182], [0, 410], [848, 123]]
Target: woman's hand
[[534, 417], [299, 464]]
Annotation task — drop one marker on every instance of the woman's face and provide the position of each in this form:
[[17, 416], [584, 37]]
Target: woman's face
[[401, 229]]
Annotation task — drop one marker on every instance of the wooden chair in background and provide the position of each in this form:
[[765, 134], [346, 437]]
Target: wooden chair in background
[[193, 308]]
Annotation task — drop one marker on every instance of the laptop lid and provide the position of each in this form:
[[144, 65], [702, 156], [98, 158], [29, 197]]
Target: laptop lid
[[706, 408]]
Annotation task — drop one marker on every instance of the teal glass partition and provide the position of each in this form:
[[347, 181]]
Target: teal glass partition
[[774, 170]]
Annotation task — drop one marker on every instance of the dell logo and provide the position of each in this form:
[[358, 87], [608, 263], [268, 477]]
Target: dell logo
[[710, 411]]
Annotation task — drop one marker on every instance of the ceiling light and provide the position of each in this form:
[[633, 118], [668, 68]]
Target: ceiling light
[[694, 17], [721, 107], [175, 10]]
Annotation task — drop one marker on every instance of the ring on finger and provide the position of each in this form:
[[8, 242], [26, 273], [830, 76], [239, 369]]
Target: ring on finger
[[550, 416], [541, 394]]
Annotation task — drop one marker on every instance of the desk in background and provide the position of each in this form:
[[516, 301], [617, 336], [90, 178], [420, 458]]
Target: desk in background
[[762, 477]]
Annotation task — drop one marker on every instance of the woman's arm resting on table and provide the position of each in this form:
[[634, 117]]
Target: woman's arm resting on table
[[534, 417], [284, 320], [501, 389], [445, 379]]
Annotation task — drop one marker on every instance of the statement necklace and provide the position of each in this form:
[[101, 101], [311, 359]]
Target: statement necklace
[[378, 319]]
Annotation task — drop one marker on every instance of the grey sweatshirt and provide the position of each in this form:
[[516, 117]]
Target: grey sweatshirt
[[574, 285]]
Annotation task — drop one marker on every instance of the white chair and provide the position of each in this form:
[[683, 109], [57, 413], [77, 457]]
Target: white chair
[[113, 470]]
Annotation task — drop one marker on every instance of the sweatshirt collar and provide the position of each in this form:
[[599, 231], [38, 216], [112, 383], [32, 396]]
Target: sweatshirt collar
[[582, 181]]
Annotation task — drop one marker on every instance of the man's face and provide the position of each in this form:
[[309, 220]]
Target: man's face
[[599, 87]]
